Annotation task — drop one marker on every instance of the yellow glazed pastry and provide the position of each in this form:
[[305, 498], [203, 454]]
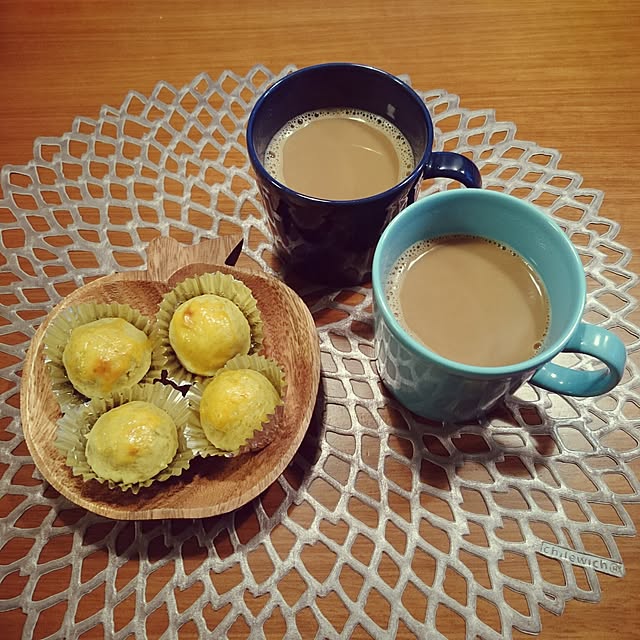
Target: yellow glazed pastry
[[235, 404], [206, 331], [105, 356], [132, 442]]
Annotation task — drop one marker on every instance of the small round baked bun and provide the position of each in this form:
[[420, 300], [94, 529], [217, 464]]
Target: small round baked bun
[[234, 405], [129, 440], [105, 356], [95, 349], [238, 406], [132, 442], [205, 332], [203, 322]]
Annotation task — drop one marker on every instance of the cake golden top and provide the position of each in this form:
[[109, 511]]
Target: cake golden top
[[206, 331], [132, 442], [105, 356], [234, 405]]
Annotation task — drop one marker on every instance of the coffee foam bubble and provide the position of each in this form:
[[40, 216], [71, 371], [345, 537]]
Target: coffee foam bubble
[[393, 282], [273, 154]]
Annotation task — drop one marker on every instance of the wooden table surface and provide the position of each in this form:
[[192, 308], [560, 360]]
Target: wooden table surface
[[566, 73]]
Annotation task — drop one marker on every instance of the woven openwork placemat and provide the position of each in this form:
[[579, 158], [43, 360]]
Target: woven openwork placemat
[[389, 508]]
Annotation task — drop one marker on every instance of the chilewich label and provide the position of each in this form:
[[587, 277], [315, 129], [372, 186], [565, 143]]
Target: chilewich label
[[605, 565]]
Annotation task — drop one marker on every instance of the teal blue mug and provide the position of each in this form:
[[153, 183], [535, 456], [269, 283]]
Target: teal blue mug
[[444, 390]]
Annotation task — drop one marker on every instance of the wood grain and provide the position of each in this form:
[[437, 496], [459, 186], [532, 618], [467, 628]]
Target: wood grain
[[567, 74], [210, 486]]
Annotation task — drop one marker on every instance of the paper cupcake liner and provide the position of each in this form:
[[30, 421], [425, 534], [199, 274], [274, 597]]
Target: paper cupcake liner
[[73, 427], [58, 334], [217, 283], [262, 436]]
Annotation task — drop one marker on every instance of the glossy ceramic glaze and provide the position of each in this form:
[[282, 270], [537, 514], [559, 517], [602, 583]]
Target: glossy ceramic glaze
[[441, 389], [334, 241]]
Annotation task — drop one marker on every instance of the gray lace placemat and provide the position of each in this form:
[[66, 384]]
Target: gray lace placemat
[[378, 515]]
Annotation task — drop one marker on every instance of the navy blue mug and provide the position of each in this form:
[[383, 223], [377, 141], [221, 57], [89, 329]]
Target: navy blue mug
[[333, 241]]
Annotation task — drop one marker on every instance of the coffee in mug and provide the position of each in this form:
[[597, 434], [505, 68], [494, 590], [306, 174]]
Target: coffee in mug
[[470, 299], [452, 390], [339, 154], [330, 238]]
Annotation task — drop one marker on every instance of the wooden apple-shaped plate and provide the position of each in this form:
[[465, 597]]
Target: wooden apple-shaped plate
[[214, 485]]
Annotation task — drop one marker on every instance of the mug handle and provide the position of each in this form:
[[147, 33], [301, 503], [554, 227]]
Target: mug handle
[[593, 341], [446, 164]]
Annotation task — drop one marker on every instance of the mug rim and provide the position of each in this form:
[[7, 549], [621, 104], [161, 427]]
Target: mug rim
[[413, 345], [258, 165]]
